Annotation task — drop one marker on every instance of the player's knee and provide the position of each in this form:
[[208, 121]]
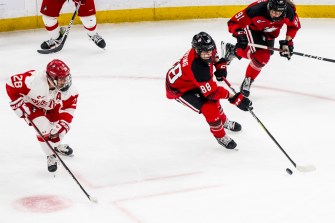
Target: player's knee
[[262, 56], [210, 111], [89, 22], [49, 21], [259, 59]]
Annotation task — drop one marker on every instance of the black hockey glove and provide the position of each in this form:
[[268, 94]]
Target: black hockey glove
[[242, 40], [241, 102], [221, 69], [287, 46]]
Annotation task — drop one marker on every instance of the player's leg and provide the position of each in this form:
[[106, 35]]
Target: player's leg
[[198, 103], [87, 15], [44, 126], [258, 59], [227, 124], [50, 12]]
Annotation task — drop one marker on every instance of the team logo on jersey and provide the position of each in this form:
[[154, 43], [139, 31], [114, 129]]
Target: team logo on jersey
[[269, 30], [45, 8], [238, 101]]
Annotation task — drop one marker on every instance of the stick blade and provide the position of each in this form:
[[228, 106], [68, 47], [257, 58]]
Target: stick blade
[[93, 199], [307, 168], [53, 50]]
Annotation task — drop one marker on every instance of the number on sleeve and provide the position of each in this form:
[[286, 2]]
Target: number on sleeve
[[174, 73], [17, 81], [239, 16], [205, 88]]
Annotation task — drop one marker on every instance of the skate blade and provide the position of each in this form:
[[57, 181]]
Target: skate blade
[[53, 174], [222, 49], [62, 154]]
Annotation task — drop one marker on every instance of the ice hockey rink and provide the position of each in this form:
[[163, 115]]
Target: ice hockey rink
[[148, 159]]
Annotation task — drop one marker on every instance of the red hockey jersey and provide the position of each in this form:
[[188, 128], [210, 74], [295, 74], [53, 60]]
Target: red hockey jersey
[[257, 18], [34, 89], [191, 72]]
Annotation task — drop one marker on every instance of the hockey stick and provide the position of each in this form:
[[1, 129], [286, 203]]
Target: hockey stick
[[93, 199], [295, 53], [307, 168], [60, 46]]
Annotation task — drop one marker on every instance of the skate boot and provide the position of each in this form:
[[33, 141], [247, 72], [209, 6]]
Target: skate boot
[[98, 40], [64, 149], [227, 142], [228, 51], [52, 163], [233, 126], [245, 86], [51, 43]]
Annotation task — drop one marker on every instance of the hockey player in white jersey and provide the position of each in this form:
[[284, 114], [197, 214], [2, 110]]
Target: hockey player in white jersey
[[49, 100]]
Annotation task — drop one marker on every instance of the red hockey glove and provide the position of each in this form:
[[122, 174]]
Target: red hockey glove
[[59, 130], [288, 47], [20, 108], [221, 69], [241, 102], [242, 40]]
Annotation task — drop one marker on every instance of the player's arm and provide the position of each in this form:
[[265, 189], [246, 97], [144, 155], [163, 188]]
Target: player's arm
[[69, 107], [203, 79], [293, 25], [236, 26], [239, 21], [66, 113], [213, 92], [16, 88], [292, 28]]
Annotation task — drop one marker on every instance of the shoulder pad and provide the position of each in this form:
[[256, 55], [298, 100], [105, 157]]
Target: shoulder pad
[[201, 70]]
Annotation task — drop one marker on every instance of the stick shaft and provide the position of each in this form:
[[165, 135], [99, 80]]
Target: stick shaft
[[295, 53], [62, 162], [61, 45], [263, 126]]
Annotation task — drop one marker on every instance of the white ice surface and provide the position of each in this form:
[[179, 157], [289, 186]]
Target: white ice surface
[[150, 160]]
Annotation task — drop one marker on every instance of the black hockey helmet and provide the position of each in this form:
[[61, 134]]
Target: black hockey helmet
[[203, 42], [279, 6]]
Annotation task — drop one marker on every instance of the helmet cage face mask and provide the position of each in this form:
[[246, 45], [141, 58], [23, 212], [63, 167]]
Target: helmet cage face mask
[[62, 84], [278, 6], [203, 42]]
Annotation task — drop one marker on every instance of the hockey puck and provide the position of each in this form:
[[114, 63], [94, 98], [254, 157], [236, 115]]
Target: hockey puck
[[289, 171]]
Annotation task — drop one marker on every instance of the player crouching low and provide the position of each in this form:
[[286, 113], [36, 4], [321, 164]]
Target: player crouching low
[[47, 99], [190, 82]]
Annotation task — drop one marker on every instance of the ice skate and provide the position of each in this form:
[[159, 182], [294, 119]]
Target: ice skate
[[51, 43], [245, 86], [98, 40], [227, 142], [233, 126], [64, 149], [227, 51], [52, 163]]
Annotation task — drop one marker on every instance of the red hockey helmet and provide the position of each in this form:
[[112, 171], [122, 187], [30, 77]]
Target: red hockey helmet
[[58, 73]]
